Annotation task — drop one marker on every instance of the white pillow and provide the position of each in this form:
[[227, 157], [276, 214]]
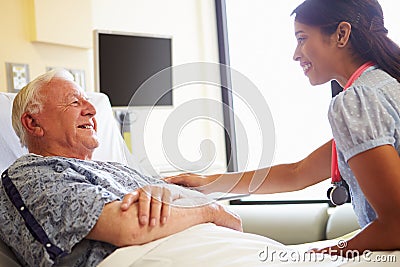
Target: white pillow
[[10, 146]]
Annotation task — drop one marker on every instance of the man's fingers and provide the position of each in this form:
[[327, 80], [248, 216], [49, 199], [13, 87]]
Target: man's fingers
[[129, 199], [156, 204], [144, 205], [166, 209]]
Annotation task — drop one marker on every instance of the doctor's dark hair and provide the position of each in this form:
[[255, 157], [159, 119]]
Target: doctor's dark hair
[[368, 37]]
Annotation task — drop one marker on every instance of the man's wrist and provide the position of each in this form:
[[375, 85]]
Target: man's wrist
[[212, 212]]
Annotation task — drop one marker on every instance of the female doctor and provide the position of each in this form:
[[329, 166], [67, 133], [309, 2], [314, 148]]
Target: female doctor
[[346, 41]]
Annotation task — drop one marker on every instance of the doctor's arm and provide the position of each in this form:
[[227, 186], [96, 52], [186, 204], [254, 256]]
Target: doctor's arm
[[279, 178]]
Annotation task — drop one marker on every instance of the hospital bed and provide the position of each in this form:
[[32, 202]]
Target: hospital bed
[[204, 244]]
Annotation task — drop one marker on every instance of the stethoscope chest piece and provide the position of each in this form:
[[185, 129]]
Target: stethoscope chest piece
[[338, 193]]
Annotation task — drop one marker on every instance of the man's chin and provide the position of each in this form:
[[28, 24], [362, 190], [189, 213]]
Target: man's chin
[[96, 144], [92, 145]]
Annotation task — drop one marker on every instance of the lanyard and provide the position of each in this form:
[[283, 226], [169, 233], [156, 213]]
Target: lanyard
[[335, 173]]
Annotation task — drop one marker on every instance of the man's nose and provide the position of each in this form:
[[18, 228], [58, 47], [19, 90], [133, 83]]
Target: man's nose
[[89, 108]]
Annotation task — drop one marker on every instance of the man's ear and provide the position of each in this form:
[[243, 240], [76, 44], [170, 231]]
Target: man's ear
[[343, 33], [31, 126]]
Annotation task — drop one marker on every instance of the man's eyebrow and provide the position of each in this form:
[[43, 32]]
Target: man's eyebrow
[[70, 96], [78, 95], [296, 33]]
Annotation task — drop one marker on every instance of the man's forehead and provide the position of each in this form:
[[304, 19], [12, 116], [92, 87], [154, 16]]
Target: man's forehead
[[75, 93], [64, 89]]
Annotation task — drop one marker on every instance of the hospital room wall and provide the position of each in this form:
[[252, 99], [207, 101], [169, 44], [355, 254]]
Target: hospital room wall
[[37, 38]]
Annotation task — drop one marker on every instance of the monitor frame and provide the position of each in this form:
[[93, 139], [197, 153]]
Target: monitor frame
[[96, 41]]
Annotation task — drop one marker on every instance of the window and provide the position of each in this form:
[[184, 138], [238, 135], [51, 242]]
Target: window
[[261, 45]]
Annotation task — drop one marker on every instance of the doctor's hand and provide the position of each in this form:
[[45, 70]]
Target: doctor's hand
[[202, 183], [154, 204]]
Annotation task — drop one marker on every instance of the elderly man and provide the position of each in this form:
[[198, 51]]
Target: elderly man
[[58, 207]]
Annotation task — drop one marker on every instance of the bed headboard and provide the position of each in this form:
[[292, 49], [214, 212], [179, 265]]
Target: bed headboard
[[112, 146]]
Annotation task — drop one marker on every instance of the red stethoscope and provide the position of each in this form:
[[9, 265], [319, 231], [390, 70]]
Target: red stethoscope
[[339, 192]]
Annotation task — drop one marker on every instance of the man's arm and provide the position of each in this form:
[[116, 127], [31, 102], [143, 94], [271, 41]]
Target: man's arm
[[122, 228]]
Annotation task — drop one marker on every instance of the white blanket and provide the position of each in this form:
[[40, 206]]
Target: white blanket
[[210, 245]]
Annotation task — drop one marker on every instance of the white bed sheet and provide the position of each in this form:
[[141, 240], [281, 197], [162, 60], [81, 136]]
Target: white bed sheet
[[210, 245]]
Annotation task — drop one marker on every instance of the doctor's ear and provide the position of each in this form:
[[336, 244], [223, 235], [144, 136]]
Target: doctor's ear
[[31, 125], [343, 33]]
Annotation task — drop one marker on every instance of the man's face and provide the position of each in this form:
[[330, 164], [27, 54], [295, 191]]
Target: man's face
[[67, 120]]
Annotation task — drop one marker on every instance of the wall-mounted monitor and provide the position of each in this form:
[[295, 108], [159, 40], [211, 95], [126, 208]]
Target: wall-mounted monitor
[[124, 61]]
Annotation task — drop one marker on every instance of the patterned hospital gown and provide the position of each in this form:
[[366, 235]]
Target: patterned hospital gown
[[363, 117], [66, 197]]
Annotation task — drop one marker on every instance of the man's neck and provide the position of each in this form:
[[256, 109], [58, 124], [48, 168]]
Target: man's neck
[[59, 153]]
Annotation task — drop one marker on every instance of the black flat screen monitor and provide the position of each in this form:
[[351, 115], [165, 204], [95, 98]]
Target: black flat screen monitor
[[124, 61]]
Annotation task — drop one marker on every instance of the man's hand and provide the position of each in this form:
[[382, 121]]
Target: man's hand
[[154, 204], [226, 218]]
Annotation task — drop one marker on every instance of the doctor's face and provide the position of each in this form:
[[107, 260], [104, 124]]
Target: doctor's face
[[67, 120], [315, 52]]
